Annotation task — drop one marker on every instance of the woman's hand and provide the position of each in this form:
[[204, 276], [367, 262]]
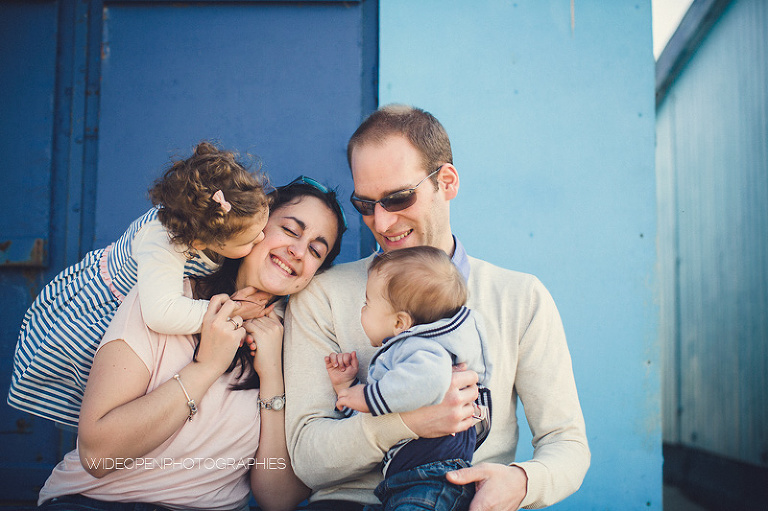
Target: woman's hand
[[265, 339], [222, 333]]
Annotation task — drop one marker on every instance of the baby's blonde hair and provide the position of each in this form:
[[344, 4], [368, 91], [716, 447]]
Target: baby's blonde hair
[[422, 281]]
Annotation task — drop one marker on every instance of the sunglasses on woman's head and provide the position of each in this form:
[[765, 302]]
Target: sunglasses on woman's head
[[324, 189], [393, 202]]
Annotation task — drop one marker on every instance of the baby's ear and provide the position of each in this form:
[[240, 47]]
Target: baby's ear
[[403, 321]]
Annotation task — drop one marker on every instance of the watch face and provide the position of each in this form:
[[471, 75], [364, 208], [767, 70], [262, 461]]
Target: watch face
[[278, 403]]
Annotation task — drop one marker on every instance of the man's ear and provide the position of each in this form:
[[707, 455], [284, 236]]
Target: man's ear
[[403, 321], [448, 180]]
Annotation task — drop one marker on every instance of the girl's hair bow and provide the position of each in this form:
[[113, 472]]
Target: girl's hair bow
[[219, 197]]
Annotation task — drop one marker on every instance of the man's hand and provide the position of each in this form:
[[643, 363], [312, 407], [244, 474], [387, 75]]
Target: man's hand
[[454, 414], [354, 398], [342, 369], [498, 487]]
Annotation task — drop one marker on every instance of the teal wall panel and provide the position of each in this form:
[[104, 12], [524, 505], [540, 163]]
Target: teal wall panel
[[713, 156], [550, 109]]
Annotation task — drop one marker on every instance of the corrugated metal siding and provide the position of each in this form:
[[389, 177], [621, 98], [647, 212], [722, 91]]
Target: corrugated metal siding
[[712, 168], [666, 248]]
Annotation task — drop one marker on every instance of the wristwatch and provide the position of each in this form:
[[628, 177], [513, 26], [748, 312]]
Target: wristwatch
[[277, 403]]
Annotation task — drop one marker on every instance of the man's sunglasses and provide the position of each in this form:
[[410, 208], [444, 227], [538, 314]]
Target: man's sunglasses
[[397, 201], [321, 187]]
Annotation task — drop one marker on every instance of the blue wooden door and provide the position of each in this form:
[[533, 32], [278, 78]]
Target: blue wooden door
[[98, 96]]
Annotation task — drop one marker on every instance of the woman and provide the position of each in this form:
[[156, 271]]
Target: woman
[[180, 422]]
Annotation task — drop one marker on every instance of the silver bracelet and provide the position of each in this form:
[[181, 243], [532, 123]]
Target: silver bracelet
[[190, 402]]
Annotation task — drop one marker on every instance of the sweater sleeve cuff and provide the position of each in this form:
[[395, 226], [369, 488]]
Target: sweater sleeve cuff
[[537, 486], [385, 430]]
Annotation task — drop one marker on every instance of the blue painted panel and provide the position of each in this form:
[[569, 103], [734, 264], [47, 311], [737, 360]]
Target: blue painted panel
[[551, 115], [23, 251], [232, 71], [28, 34], [267, 79], [27, 57]]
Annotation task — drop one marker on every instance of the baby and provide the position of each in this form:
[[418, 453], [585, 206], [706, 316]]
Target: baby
[[414, 313]]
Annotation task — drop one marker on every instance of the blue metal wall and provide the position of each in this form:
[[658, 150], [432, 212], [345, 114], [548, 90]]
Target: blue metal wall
[[712, 166], [549, 104], [97, 96], [28, 46], [550, 108]]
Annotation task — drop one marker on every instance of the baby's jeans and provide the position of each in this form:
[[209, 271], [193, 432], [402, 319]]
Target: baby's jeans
[[424, 487]]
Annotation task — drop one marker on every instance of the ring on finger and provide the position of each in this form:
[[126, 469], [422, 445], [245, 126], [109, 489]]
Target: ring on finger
[[234, 323]]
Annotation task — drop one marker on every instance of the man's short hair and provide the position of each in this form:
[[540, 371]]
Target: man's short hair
[[418, 126], [422, 281]]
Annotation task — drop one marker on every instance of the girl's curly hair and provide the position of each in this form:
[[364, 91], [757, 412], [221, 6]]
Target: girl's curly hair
[[185, 196]]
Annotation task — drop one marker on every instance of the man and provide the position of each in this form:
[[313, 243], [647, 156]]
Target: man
[[404, 179]]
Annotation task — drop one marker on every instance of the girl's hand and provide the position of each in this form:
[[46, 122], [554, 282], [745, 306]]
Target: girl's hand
[[219, 337], [253, 303], [265, 338]]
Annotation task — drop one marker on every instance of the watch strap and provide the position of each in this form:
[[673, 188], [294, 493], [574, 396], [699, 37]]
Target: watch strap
[[269, 404]]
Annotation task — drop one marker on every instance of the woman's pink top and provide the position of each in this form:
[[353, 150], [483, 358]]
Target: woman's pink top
[[204, 465]]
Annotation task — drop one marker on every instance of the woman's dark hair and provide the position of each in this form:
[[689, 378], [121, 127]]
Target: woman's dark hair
[[224, 279]]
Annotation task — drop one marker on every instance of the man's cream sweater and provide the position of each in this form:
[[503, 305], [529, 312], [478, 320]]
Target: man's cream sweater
[[339, 458]]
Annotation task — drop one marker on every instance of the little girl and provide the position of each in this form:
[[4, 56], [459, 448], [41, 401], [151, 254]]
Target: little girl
[[207, 208]]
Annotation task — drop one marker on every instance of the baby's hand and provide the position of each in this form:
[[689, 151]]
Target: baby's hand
[[252, 303], [354, 398], [342, 369]]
